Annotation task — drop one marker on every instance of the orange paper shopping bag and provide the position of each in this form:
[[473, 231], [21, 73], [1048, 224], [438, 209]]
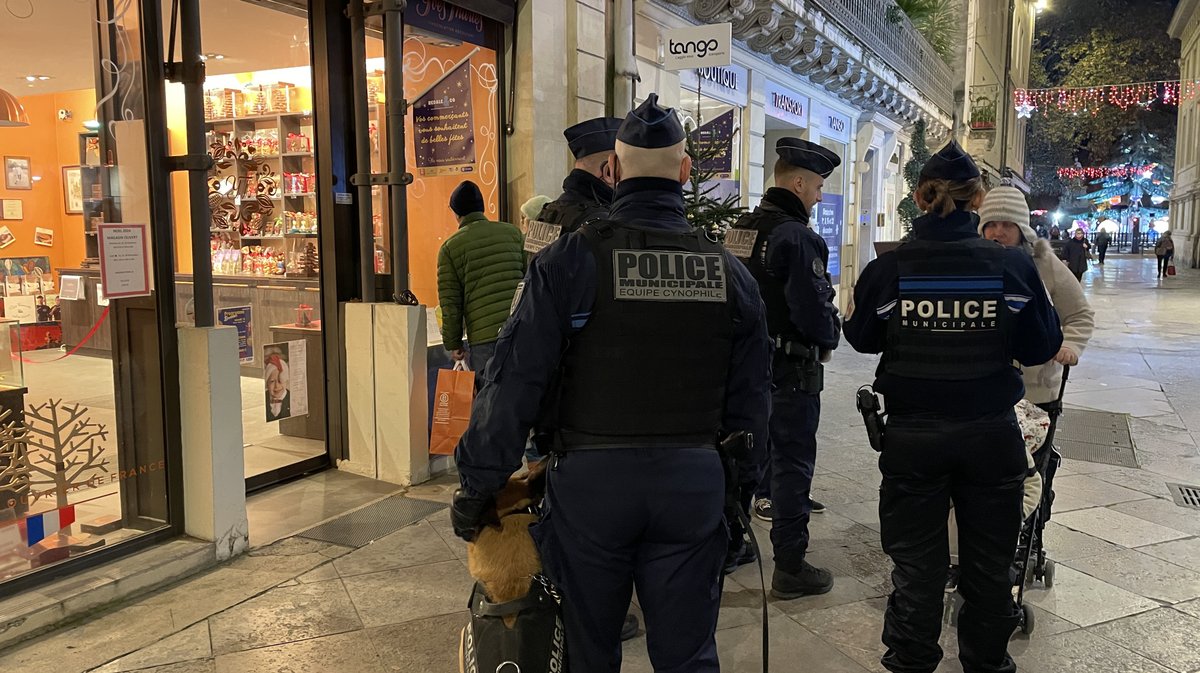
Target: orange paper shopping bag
[[451, 408]]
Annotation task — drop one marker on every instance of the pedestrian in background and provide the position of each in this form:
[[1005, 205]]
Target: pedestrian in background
[[479, 268], [1103, 240], [636, 488], [530, 210], [950, 312], [1164, 250], [1076, 250]]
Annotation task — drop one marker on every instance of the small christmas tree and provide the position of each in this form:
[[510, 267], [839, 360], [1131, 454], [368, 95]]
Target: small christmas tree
[[919, 150], [704, 211]]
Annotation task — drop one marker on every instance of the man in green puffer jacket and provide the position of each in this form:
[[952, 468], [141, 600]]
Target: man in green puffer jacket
[[479, 268]]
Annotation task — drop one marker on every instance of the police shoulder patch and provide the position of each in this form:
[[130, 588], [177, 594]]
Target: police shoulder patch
[[818, 268], [516, 298]]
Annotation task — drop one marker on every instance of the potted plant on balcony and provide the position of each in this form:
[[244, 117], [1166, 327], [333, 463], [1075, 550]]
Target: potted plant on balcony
[[983, 115]]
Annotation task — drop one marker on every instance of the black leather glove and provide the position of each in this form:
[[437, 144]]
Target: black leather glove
[[466, 514]]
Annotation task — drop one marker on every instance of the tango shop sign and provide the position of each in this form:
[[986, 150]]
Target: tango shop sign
[[697, 46]]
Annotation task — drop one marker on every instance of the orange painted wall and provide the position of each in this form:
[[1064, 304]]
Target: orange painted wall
[[50, 144], [430, 221]]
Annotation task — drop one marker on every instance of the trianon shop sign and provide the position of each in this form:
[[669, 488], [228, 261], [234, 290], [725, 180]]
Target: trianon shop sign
[[786, 105]]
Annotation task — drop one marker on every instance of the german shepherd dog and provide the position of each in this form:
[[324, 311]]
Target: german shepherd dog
[[503, 558]]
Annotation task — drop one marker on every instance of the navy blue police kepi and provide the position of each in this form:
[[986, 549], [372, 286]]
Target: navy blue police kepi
[[651, 126], [803, 154], [950, 163], [592, 136]]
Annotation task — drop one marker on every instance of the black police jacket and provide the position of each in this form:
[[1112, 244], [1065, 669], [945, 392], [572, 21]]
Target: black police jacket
[[585, 198], [789, 262], [1035, 335]]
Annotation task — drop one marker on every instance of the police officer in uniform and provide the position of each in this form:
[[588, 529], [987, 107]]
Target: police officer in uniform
[[789, 261], [950, 312], [659, 340], [587, 189]]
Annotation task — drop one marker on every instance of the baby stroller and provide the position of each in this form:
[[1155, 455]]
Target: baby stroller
[[1031, 564]]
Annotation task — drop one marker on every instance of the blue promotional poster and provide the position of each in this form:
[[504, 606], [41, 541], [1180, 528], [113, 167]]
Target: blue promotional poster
[[829, 226], [238, 317]]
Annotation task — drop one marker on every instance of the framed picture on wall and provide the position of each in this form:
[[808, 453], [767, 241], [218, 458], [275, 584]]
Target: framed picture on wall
[[43, 236], [73, 190], [17, 173], [11, 209]]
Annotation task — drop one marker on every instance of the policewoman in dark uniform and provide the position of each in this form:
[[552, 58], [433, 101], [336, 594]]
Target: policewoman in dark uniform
[[660, 343], [788, 260], [587, 189], [950, 312]]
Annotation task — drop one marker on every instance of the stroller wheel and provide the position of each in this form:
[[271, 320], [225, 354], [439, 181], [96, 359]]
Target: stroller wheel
[[1048, 574], [1027, 620]]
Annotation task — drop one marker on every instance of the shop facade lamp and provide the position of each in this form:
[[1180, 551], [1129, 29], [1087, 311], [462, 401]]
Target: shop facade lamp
[[11, 112]]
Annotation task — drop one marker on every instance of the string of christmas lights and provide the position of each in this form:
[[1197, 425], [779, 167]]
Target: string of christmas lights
[[1092, 99], [1098, 172]]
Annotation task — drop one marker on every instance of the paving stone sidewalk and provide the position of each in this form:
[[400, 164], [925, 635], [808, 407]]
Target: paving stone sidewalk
[[1126, 596]]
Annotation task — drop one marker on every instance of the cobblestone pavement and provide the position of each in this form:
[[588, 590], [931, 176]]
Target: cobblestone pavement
[[1126, 597]]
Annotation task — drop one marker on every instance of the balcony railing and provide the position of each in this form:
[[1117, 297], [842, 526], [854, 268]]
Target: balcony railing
[[896, 43]]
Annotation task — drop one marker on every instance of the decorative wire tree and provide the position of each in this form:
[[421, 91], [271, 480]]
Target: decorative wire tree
[[919, 149], [65, 449], [703, 210]]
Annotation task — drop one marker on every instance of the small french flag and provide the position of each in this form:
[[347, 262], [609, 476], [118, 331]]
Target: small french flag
[[38, 526]]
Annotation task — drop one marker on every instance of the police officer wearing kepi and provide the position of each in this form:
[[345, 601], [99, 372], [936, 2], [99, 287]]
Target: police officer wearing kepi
[[789, 262], [660, 340], [950, 312], [587, 189]]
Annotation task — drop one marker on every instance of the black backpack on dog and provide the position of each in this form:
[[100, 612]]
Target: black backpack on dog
[[536, 643]]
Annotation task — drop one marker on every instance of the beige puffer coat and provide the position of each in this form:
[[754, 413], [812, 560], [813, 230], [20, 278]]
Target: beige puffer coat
[[1074, 314]]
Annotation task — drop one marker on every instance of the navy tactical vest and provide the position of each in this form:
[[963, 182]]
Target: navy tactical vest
[[650, 366], [952, 320], [779, 322]]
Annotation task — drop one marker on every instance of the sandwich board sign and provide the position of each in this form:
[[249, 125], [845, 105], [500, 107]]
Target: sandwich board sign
[[697, 46]]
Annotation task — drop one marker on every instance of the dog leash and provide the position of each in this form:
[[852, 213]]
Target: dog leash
[[762, 583]]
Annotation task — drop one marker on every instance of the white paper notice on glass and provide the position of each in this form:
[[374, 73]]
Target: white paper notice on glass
[[124, 262], [298, 359]]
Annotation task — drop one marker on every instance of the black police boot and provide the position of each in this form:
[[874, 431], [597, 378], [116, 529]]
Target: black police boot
[[806, 580], [739, 557], [630, 628]]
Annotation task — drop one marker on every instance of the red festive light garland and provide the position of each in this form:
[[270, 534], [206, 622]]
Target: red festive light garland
[[1098, 172], [1090, 99]]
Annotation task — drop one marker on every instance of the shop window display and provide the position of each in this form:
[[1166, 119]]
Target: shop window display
[[264, 228], [73, 477], [715, 127]]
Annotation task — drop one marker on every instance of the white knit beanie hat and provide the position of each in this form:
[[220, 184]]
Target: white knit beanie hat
[[1006, 204], [533, 207]]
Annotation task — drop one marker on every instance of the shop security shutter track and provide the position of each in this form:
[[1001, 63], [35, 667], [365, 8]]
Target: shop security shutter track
[[1185, 495], [1096, 437], [363, 526]]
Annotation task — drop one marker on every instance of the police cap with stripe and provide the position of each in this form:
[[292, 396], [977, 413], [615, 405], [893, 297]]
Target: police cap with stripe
[[811, 156], [592, 136], [651, 126], [950, 163]]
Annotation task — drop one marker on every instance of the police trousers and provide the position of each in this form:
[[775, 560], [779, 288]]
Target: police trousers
[[979, 462], [615, 519], [795, 415]]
